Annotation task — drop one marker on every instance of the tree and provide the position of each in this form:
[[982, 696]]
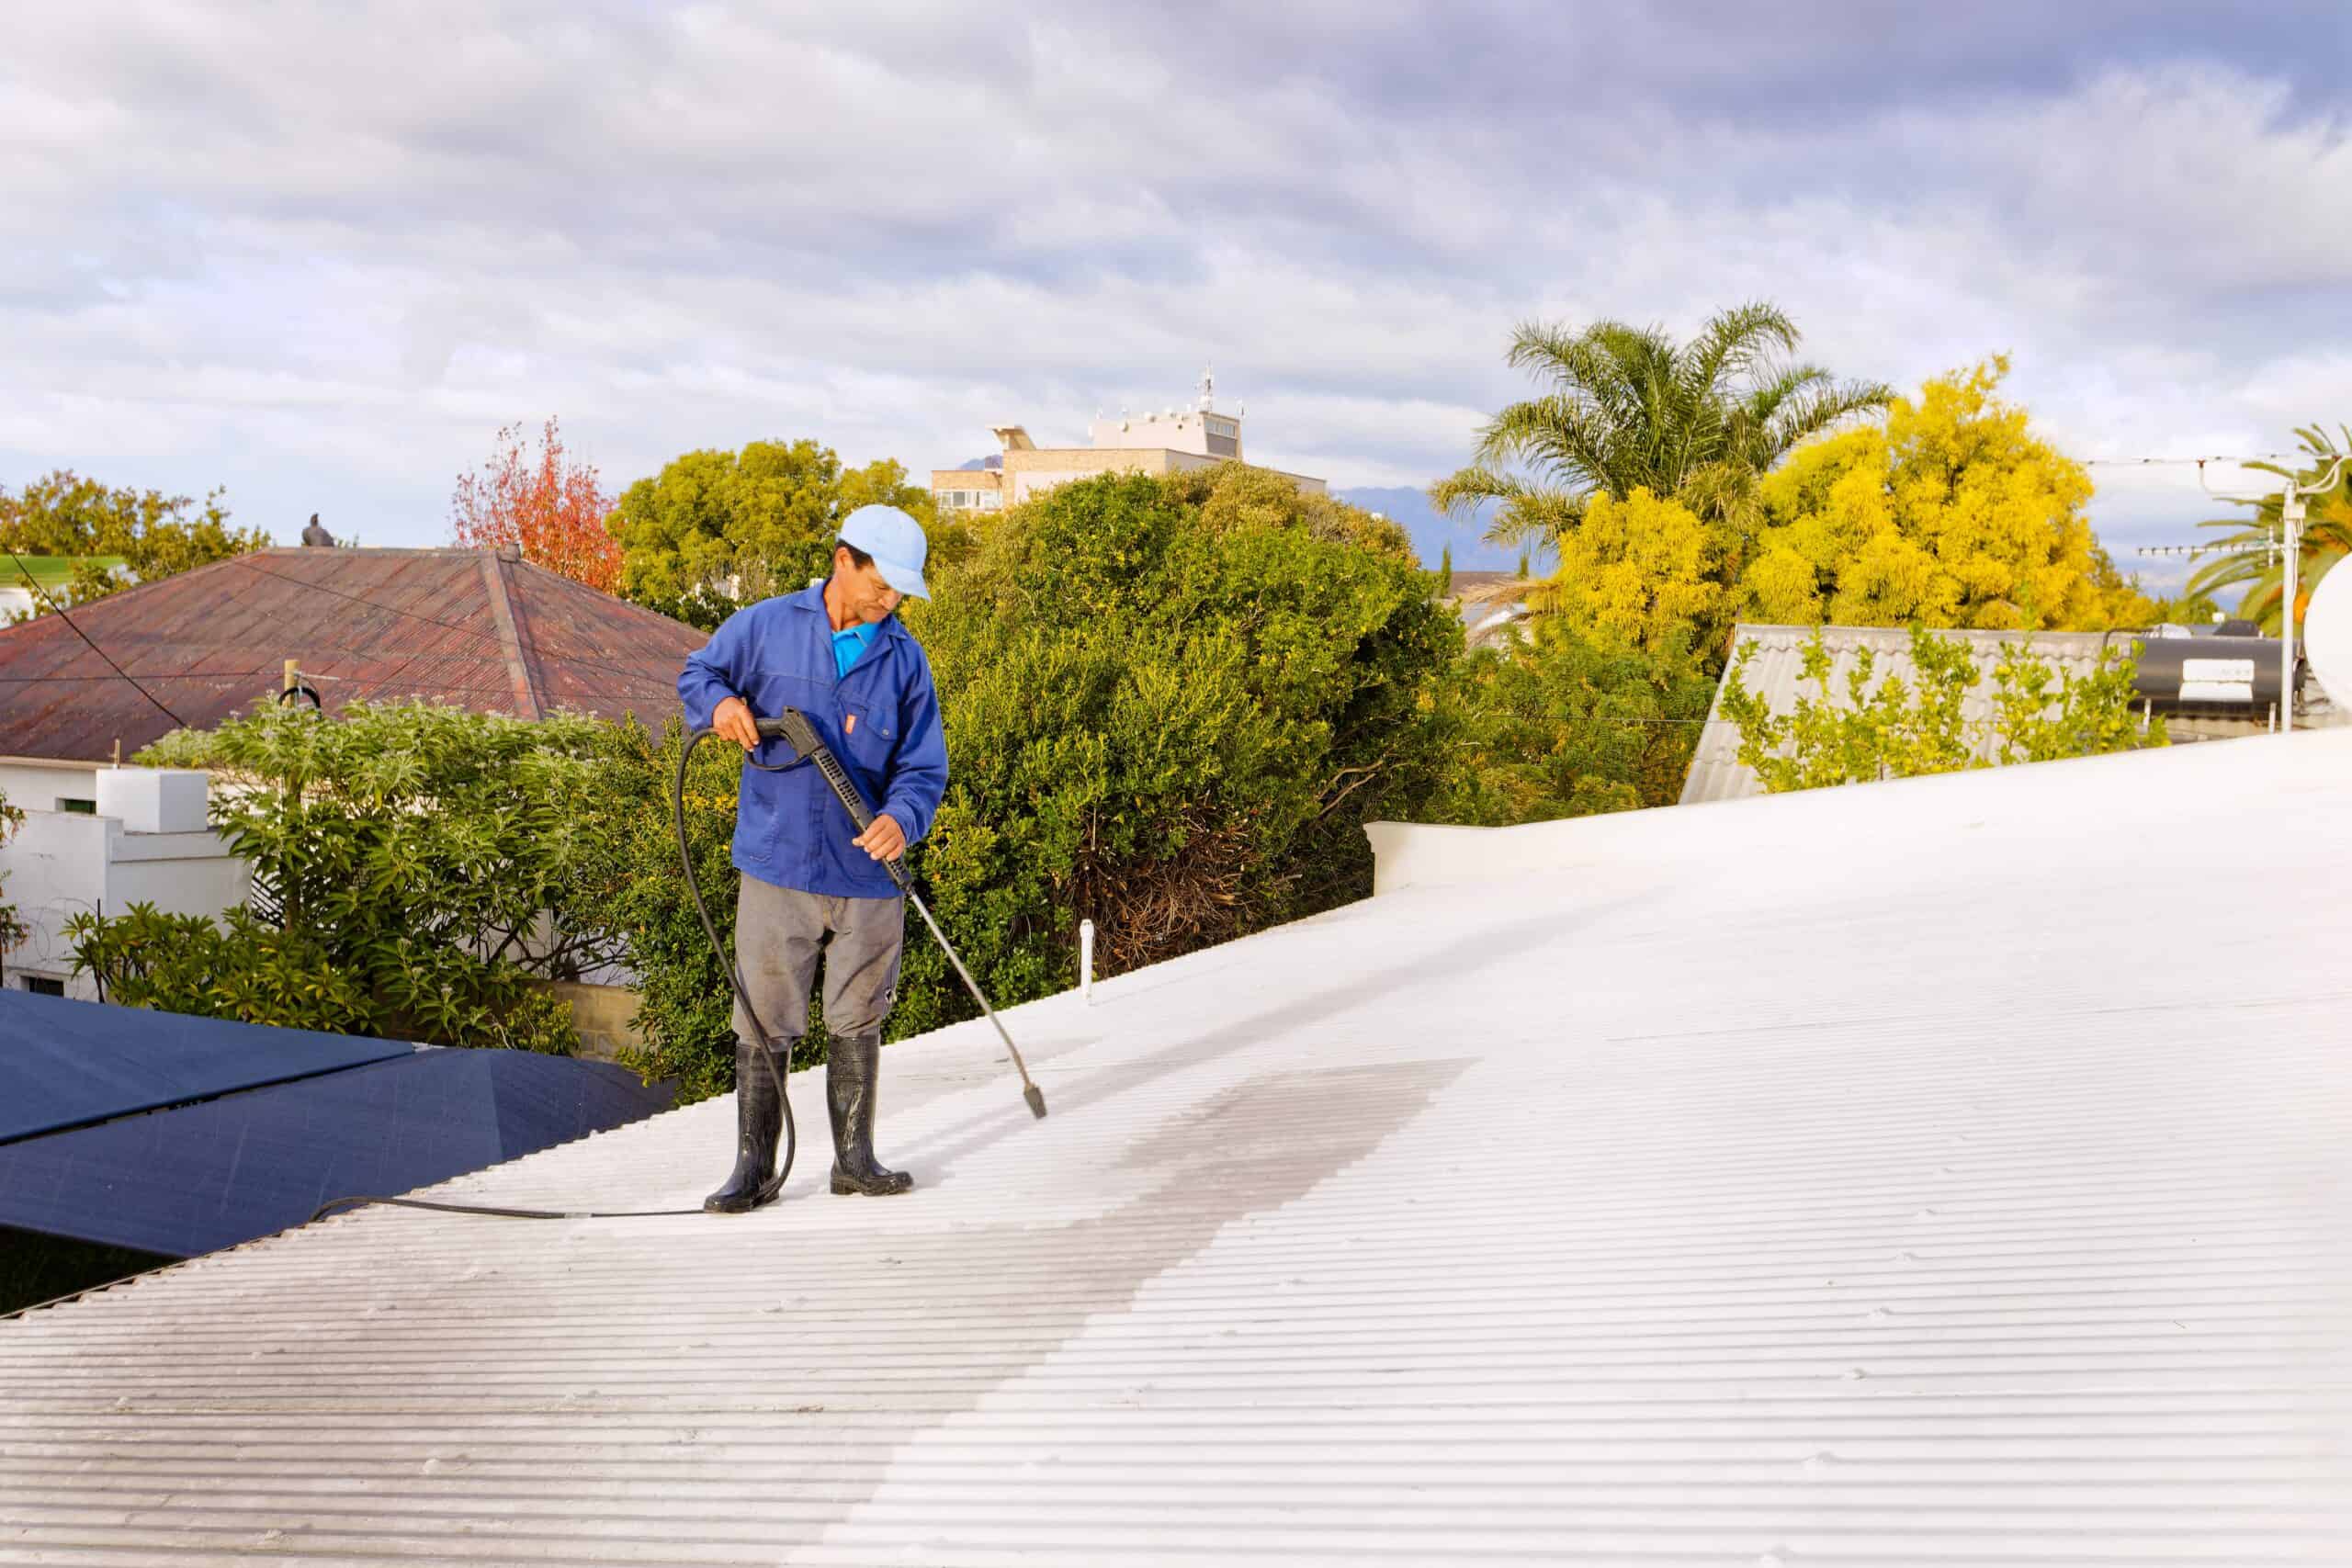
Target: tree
[[1568, 722], [764, 518], [1952, 514], [551, 509], [2258, 575], [1170, 705], [1627, 408], [2188, 608], [115, 536], [415, 869], [1641, 571], [1174, 703], [1900, 729]]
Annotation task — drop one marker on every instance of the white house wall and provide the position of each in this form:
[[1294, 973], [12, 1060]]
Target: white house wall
[[63, 863], [35, 785]]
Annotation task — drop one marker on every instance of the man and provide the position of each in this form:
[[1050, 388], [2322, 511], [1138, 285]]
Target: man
[[812, 883]]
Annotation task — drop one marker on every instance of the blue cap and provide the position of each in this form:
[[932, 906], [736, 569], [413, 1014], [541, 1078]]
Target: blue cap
[[895, 541]]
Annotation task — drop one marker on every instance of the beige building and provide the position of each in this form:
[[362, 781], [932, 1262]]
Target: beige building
[[1153, 442]]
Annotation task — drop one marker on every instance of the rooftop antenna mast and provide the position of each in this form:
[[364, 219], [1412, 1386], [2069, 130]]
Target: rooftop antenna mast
[[1208, 389], [2292, 510]]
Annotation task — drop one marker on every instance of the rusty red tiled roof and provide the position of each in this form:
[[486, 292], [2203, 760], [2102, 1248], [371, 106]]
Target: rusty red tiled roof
[[493, 633]]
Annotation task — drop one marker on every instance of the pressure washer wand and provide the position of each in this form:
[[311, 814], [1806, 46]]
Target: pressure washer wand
[[793, 727]]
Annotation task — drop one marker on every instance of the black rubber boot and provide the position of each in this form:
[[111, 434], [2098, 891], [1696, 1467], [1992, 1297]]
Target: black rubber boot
[[852, 1068], [758, 1120]]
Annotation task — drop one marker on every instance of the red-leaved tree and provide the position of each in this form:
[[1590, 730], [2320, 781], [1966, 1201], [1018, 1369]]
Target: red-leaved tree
[[551, 509]]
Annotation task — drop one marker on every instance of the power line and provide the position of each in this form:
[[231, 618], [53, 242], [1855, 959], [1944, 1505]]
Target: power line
[[150, 675], [2185, 462], [101, 652], [383, 685]]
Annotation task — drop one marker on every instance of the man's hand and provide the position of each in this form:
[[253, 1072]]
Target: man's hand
[[733, 719], [883, 839]]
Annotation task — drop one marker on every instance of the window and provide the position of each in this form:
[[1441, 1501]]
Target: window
[[42, 986], [79, 807]]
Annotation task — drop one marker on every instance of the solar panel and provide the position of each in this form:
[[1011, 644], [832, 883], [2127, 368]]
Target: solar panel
[[199, 1178], [64, 1063]]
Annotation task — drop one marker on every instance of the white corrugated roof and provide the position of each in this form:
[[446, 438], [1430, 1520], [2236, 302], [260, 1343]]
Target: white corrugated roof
[[1945, 1171]]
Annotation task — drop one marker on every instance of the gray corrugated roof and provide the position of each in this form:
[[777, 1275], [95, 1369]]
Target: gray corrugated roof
[[1717, 773], [1966, 1192]]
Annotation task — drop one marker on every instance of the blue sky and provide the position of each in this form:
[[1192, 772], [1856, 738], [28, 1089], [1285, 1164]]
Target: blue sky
[[319, 255]]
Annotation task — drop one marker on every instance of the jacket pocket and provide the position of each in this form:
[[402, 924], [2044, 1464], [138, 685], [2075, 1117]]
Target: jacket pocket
[[872, 735], [755, 818]]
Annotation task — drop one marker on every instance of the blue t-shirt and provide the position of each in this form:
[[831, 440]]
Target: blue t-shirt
[[848, 645]]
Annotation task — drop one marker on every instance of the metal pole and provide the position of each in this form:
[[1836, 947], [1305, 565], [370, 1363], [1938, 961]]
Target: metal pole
[[1086, 962], [1029, 1090], [2290, 517]]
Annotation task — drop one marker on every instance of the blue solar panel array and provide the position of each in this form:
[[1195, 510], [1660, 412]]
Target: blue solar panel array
[[65, 1063], [202, 1177]]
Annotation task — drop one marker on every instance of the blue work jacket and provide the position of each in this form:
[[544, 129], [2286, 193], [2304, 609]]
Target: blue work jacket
[[790, 829]]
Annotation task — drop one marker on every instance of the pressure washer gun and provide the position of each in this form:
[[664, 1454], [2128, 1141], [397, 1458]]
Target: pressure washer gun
[[792, 727]]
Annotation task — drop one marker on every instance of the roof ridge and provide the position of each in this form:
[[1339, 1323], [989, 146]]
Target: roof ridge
[[315, 550], [640, 612], [510, 641]]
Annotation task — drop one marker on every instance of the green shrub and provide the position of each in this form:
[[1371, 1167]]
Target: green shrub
[[1567, 722], [1169, 708], [415, 869]]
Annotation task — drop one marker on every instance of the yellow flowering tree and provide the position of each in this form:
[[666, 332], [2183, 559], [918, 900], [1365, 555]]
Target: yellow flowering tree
[[1954, 513], [1644, 570]]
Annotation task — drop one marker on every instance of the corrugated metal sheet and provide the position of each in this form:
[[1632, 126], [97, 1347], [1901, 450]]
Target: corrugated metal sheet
[[1980, 1197], [463, 626], [1775, 675]]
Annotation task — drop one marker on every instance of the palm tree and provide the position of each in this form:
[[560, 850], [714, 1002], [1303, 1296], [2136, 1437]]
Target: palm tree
[[2326, 537], [1628, 407]]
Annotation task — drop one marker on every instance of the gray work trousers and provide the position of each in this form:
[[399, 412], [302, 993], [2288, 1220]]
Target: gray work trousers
[[780, 932]]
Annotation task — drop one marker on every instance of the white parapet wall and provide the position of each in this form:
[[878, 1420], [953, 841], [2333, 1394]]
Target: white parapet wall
[[147, 843], [1853, 820], [41, 783]]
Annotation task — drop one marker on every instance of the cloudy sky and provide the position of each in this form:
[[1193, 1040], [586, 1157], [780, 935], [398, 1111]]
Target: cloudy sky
[[319, 255]]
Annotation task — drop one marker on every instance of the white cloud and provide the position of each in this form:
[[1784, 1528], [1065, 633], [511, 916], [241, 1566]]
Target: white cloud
[[321, 254]]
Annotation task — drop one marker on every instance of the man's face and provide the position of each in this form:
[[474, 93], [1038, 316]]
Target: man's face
[[862, 592]]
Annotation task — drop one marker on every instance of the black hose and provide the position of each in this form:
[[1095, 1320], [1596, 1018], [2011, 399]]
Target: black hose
[[734, 973], [734, 978]]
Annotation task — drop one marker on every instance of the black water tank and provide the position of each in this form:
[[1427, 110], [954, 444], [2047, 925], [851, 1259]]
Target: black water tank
[[2222, 676]]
